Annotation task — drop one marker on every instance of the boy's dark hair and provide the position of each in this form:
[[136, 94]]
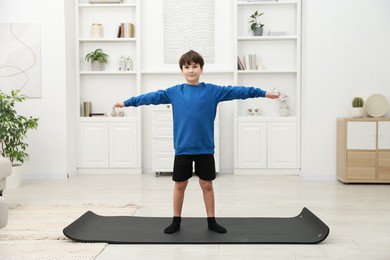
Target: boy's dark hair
[[189, 57]]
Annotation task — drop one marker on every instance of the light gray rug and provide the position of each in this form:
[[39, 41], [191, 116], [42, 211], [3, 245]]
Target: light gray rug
[[35, 232]]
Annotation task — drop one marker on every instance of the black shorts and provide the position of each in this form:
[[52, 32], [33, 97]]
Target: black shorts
[[204, 167]]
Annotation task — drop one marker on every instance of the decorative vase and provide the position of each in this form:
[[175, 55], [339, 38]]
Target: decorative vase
[[284, 109], [113, 112], [97, 66], [258, 31], [96, 30], [357, 112]]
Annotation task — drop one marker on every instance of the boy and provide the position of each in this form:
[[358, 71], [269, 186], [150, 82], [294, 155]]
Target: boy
[[194, 106]]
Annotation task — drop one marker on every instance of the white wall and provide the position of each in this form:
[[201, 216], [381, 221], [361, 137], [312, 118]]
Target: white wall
[[346, 54], [47, 144]]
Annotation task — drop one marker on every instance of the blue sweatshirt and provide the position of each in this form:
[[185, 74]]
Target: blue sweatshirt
[[194, 109]]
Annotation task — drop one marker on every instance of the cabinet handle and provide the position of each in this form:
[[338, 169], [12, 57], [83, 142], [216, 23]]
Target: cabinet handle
[[168, 106]]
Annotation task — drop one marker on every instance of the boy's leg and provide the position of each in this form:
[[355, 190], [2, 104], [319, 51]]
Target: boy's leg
[[178, 198], [182, 171], [208, 197]]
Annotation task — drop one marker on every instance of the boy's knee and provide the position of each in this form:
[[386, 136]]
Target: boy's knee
[[206, 185], [181, 185]]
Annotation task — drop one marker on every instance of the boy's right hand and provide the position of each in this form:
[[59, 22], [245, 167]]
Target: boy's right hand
[[119, 104], [272, 95]]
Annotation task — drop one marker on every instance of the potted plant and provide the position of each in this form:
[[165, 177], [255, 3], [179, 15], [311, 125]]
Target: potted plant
[[357, 107], [256, 26], [13, 129], [97, 58]]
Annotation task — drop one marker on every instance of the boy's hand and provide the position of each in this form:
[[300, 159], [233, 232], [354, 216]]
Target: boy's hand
[[272, 95], [119, 104]]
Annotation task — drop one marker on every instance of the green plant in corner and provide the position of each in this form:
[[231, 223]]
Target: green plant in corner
[[254, 22], [97, 55], [357, 102], [14, 127]]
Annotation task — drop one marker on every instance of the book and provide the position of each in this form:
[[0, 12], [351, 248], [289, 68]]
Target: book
[[126, 30]]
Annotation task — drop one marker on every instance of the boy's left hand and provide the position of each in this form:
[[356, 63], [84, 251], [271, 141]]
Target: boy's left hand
[[272, 95]]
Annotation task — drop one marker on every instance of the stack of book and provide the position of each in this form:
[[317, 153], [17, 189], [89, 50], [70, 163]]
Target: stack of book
[[247, 62], [126, 30], [105, 1]]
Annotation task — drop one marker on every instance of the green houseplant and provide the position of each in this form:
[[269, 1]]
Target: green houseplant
[[14, 127], [97, 58], [256, 26], [357, 107]]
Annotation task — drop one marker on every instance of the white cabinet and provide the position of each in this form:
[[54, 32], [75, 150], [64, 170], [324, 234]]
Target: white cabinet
[[109, 145], [361, 135], [282, 145], [252, 145], [383, 135], [163, 151], [265, 145], [93, 147], [122, 139]]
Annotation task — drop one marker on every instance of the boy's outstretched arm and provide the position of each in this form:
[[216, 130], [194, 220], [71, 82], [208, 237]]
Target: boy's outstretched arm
[[119, 104], [272, 95]]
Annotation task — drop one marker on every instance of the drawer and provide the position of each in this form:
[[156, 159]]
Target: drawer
[[163, 162], [162, 130], [163, 146]]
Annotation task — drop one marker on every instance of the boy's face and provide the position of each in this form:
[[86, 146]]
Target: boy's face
[[191, 73]]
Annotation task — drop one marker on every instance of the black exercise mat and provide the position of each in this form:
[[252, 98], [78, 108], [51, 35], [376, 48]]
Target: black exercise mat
[[306, 228]]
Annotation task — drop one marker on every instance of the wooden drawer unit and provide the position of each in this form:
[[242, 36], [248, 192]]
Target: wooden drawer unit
[[363, 150]]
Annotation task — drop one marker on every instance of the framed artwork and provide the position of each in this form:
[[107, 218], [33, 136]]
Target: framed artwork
[[20, 58]]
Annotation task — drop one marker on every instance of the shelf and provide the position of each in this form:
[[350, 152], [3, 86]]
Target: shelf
[[266, 71], [242, 3], [266, 119], [106, 5], [267, 38], [108, 119], [107, 40], [179, 72], [108, 72]]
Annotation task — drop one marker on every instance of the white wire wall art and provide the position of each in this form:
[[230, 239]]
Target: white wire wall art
[[20, 58], [188, 25]]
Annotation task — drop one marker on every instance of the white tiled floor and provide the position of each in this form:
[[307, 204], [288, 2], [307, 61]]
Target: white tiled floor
[[358, 215]]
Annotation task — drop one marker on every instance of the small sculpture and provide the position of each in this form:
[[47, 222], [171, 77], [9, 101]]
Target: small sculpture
[[113, 113]]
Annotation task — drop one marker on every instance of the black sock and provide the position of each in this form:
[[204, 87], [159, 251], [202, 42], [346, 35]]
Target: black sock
[[175, 226], [213, 225]]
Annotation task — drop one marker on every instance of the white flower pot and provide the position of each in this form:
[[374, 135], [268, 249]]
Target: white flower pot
[[357, 112], [97, 66], [15, 179]]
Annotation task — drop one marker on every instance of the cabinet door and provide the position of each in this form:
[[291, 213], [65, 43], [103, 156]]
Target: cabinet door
[[361, 135], [123, 145], [282, 145], [361, 165], [252, 145], [384, 165], [383, 135], [93, 145]]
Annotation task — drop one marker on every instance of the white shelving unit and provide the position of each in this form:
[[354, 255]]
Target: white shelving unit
[[108, 144], [269, 143]]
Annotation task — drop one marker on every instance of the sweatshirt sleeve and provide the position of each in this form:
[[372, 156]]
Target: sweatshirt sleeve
[[225, 93], [153, 98]]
